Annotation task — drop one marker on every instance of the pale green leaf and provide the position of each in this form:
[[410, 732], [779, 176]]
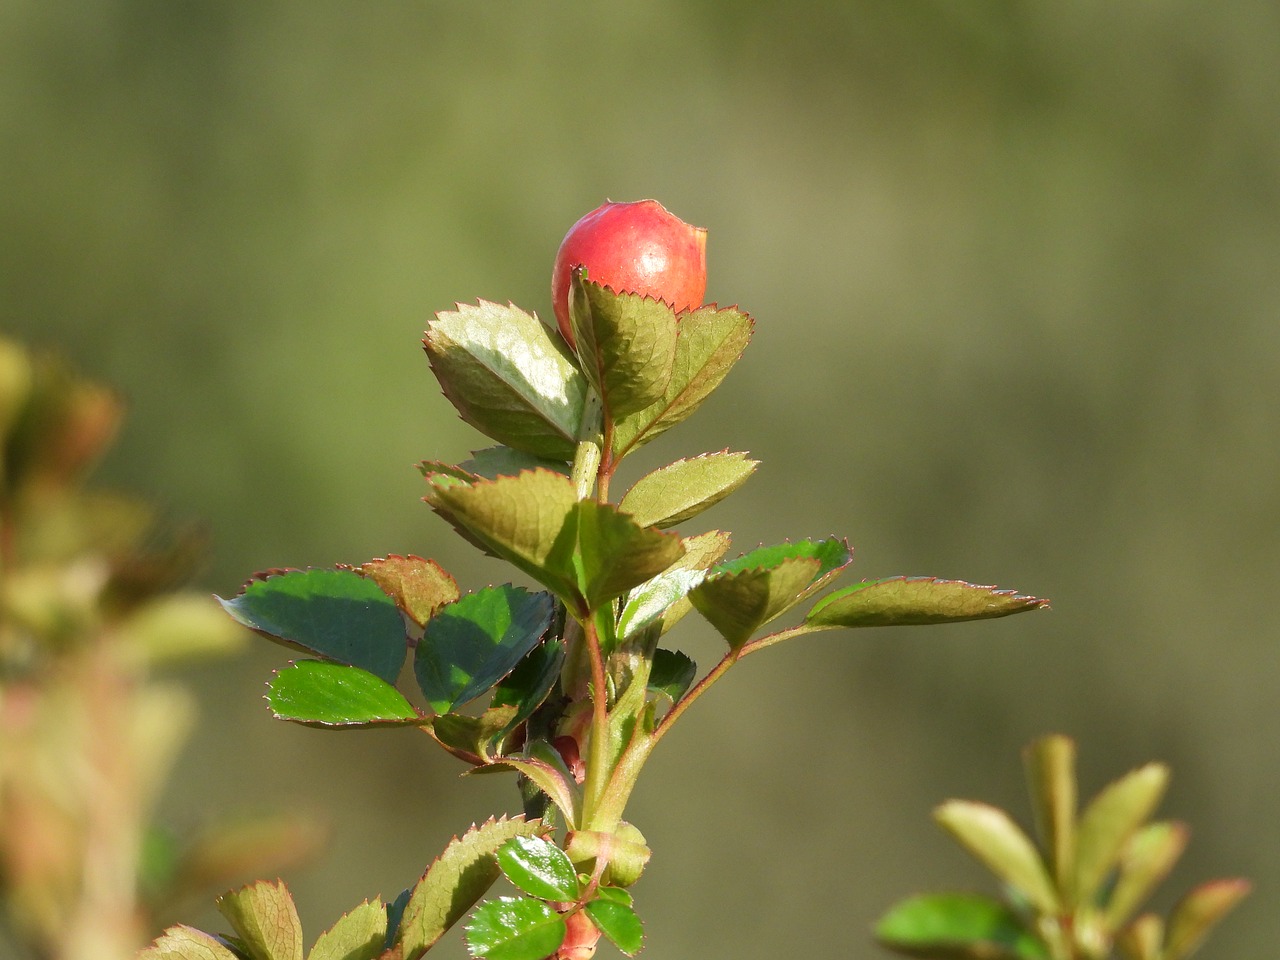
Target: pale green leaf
[[992, 837], [903, 601], [358, 935], [186, 943], [1108, 822], [1051, 775], [681, 490], [1196, 914], [264, 917]]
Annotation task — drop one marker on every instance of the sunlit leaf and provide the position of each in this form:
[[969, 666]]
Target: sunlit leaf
[[326, 694], [515, 929], [1108, 822], [419, 587], [1196, 914], [899, 601], [1051, 775], [508, 376], [709, 342], [471, 737], [1143, 939], [626, 344], [493, 462], [543, 767], [665, 597], [469, 645], [264, 917], [740, 596], [991, 835], [617, 553], [681, 490], [1145, 861], [358, 935], [958, 926], [334, 614], [455, 881], [539, 868], [186, 943]]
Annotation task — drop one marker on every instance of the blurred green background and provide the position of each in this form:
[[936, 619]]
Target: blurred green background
[[1014, 267]]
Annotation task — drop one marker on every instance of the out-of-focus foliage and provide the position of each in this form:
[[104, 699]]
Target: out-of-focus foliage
[[243, 215], [88, 609]]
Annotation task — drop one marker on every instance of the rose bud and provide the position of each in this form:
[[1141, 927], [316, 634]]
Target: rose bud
[[580, 939], [635, 247]]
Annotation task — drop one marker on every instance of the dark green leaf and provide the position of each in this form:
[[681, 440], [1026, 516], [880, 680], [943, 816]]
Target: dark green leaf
[[539, 868], [395, 914], [625, 342], [508, 376], [681, 490], [709, 342], [672, 673], [455, 881], [336, 695], [899, 601], [266, 920], [335, 614], [527, 686], [514, 929], [419, 587], [955, 926], [740, 596], [619, 923], [471, 738], [470, 645]]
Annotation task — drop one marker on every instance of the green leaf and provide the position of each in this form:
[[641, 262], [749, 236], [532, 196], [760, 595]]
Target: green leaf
[[709, 342], [900, 601], [626, 343], [359, 935], [264, 917], [672, 673], [960, 926], [509, 377], [455, 881], [1198, 913], [990, 834], [419, 587], [545, 768], [583, 551], [186, 943], [1144, 862], [471, 738], [740, 596], [619, 923], [681, 490], [1142, 939], [539, 868], [470, 645], [665, 597], [1108, 822], [493, 462], [335, 614], [1051, 775], [527, 686], [515, 929], [325, 694]]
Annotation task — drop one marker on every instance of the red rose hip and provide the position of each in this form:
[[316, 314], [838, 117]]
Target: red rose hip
[[635, 247]]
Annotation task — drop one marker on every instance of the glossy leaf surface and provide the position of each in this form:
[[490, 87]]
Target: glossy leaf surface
[[470, 645], [514, 929], [990, 834], [508, 376], [327, 694], [709, 342], [902, 601], [625, 342], [264, 917], [334, 614], [619, 923], [665, 597], [455, 881], [740, 596], [539, 868], [681, 490], [959, 926]]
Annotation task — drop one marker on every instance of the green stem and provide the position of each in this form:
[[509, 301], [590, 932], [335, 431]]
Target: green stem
[[598, 754]]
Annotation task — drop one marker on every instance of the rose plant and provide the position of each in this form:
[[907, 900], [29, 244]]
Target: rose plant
[[569, 687]]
